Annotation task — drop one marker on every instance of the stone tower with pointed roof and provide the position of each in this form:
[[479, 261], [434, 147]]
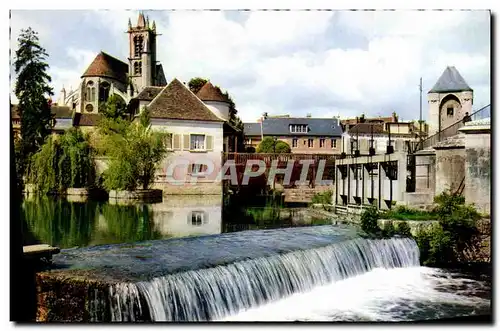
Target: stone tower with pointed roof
[[142, 56], [449, 100]]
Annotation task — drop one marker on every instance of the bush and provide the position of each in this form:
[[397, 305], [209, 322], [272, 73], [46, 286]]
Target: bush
[[388, 229], [271, 145], [403, 229], [456, 235], [324, 198], [369, 220]]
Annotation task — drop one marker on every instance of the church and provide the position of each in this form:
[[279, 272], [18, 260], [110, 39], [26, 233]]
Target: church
[[108, 75], [198, 124]]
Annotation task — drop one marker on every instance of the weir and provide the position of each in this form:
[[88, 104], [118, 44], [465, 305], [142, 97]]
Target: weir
[[214, 293]]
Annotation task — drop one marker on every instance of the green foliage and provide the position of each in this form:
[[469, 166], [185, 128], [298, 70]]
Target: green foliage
[[271, 145], [388, 230], [32, 90], [455, 237], [64, 161], [447, 204], [406, 213], [369, 220], [403, 229], [196, 83], [135, 152], [324, 198], [114, 107]]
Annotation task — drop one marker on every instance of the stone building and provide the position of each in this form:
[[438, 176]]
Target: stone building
[[449, 100], [304, 134]]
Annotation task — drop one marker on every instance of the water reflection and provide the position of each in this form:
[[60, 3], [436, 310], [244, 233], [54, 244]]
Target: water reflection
[[68, 224]]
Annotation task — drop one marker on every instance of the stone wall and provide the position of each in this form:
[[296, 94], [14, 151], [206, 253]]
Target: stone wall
[[478, 165], [450, 164]]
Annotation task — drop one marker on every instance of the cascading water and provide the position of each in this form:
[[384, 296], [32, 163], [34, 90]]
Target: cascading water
[[213, 293]]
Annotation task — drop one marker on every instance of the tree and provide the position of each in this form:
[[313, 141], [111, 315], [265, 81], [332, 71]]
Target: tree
[[196, 83], [114, 107], [62, 162], [32, 90], [271, 145], [135, 151]]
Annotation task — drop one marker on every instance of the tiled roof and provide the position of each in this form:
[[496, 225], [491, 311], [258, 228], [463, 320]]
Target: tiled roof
[[84, 119], [280, 126], [58, 111], [62, 111], [149, 93], [208, 92], [366, 128], [104, 65], [176, 101], [450, 81]]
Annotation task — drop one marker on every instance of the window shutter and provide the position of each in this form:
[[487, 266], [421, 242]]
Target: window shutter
[[210, 143], [177, 142], [185, 145]]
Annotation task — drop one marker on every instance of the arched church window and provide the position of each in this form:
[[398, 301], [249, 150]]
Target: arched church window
[[104, 91], [90, 92], [137, 68], [138, 42]]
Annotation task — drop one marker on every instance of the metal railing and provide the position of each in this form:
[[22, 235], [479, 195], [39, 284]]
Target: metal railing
[[452, 130]]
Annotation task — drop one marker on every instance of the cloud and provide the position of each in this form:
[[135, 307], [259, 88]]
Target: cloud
[[321, 62]]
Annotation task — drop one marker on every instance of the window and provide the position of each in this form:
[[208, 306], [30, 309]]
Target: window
[[310, 143], [449, 111], [138, 45], [334, 143], [90, 93], [104, 91], [197, 168], [354, 144], [298, 128], [295, 142], [198, 218], [197, 142], [137, 68], [322, 143], [168, 141]]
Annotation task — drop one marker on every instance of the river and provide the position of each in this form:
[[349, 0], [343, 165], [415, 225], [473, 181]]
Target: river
[[191, 259]]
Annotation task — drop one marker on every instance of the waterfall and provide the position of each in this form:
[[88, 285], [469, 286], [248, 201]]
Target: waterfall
[[210, 294]]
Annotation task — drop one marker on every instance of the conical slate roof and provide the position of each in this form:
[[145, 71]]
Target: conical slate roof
[[450, 81], [104, 65], [210, 93]]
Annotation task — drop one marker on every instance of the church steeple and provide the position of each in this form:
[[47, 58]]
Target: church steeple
[[141, 23], [142, 55]]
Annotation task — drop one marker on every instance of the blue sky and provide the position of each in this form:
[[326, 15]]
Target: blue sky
[[326, 63]]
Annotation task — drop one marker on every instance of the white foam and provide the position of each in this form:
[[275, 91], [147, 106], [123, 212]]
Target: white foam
[[379, 295]]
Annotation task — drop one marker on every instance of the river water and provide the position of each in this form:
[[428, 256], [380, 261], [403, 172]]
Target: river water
[[191, 260]]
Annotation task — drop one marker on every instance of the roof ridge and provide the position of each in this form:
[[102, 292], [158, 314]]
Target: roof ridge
[[113, 57]]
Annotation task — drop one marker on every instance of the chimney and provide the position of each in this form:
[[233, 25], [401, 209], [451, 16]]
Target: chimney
[[394, 117]]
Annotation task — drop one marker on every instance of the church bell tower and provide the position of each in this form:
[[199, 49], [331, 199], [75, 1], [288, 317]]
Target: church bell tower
[[142, 55]]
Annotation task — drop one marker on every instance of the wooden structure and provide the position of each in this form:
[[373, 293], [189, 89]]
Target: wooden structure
[[42, 252]]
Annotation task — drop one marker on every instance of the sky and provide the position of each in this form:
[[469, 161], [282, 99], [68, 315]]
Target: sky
[[323, 63]]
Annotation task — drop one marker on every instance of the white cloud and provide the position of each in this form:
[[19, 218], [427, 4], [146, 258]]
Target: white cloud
[[294, 62]]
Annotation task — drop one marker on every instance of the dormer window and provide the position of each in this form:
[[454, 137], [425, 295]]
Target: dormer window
[[298, 128]]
